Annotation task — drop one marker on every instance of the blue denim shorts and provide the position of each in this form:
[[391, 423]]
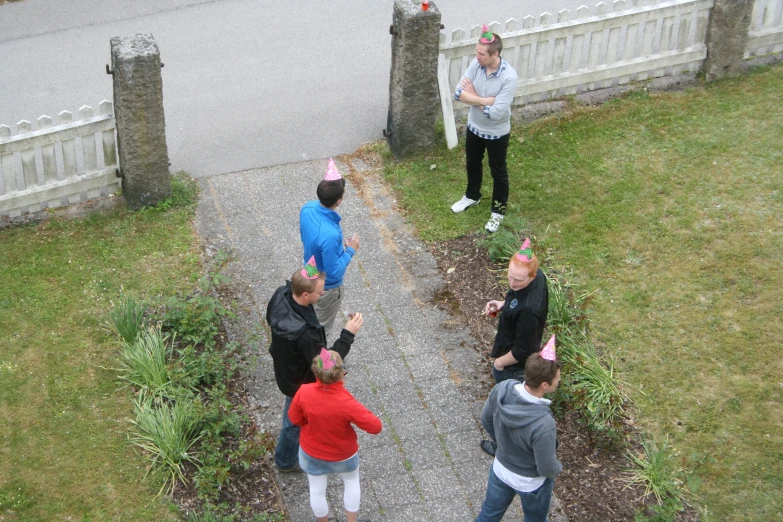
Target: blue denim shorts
[[314, 466]]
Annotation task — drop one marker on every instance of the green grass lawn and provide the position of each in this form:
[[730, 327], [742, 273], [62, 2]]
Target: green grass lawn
[[64, 453], [670, 206]]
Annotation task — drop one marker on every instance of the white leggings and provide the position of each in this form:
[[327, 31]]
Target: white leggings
[[351, 498]]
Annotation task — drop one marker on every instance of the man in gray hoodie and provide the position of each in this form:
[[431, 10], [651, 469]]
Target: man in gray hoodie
[[517, 417]]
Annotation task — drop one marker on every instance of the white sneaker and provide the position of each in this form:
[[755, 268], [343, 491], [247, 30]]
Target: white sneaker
[[463, 204], [494, 222]]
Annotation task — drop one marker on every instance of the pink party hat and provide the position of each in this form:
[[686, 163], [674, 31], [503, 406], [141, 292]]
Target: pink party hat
[[326, 361], [332, 173], [525, 253], [486, 35], [310, 271], [548, 352]]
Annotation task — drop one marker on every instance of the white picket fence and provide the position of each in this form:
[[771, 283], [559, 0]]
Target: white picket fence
[[766, 28], [582, 51], [58, 165]]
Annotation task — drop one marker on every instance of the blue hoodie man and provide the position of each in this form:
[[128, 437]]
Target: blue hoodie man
[[517, 417], [322, 237]]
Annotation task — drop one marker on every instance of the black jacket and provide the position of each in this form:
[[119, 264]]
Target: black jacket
[[297, 337], [522, 322]]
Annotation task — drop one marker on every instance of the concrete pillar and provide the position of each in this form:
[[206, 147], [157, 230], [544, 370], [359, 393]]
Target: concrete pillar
[[727, 35], [413, 82], [141, 126]]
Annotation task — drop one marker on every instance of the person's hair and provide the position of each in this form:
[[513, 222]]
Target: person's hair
[[539, 370], [300, 284], [330, 191], [495, 46], [333, 374], [531, 266]]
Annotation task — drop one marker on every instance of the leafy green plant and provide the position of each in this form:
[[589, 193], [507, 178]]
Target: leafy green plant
[[144, 363], [656, 469], [504, 243], [195, 318], [567, 311], [208, 515], [166, 430], [127, 318]]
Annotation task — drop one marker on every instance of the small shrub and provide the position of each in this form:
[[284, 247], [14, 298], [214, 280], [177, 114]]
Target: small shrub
[[504, 243], [195, 318], [144, 363], [166, 430], [658, 472], [127, 318]]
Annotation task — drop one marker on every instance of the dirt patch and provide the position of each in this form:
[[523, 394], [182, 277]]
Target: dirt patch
[[592, 486]]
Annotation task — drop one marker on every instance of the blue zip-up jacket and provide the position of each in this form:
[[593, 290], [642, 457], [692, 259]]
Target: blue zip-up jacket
[[322, 237]]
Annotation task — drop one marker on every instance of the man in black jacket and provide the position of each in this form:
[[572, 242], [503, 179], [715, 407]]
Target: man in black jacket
[[297, 337], [522, 320]]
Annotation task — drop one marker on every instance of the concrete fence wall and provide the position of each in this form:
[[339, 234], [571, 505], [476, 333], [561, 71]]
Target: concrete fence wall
[[54, 166], [605, 45]]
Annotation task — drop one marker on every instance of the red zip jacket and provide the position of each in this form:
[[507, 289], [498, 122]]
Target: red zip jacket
[[325, 412]]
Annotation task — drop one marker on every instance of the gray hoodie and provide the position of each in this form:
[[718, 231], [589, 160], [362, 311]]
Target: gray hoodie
[[524, 431]]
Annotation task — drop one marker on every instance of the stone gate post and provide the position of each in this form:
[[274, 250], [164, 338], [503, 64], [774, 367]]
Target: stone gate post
[[413, 82], [727, 35], [141, 126]]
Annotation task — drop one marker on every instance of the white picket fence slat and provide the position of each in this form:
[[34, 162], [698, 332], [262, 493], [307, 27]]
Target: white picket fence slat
[[589, 49], [30, 184], [766, 28]]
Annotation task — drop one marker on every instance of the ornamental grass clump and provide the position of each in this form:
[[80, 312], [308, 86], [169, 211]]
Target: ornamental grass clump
[[127, 318], [144, 363], [657, 470], [592, 385], [166, 430]]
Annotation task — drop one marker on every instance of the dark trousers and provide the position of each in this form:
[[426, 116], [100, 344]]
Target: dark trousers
[[474, 162]]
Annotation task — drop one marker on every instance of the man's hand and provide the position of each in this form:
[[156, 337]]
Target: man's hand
[[467, 86], [493, 307], [355, 323], [353, 242]]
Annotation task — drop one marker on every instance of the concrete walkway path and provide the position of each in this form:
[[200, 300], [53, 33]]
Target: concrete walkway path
[[413, 365]]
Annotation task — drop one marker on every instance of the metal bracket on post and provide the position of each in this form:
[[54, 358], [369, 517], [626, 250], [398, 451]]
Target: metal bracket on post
[[162, 64], [118, 172], [392, 31], [386, 134], [108, 70]]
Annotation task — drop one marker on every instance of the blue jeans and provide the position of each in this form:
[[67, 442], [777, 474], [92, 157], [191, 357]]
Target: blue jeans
[[504, 375], [287, 450], [499, 496]]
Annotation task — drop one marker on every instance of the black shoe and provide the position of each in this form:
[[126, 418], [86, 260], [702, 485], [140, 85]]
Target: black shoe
[[293, 469], [489, 447]]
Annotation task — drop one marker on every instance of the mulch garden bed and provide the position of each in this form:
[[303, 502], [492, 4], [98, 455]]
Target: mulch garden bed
[[592, 486]]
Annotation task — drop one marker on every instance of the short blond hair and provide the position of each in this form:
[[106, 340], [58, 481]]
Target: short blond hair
[[333, 374]]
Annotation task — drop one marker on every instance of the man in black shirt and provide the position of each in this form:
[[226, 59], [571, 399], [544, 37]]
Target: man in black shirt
[[522, 319], [297, 337]]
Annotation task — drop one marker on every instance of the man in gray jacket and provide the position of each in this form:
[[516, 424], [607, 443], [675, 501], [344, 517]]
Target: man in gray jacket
[[517, 417]]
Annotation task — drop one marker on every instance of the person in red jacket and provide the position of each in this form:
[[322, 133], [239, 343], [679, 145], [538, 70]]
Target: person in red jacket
[[326, 413]]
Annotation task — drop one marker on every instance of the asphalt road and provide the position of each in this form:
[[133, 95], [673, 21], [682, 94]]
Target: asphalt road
[[247, 83]]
